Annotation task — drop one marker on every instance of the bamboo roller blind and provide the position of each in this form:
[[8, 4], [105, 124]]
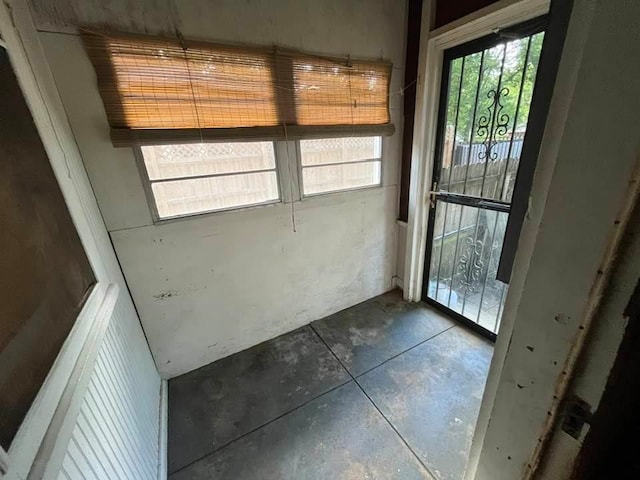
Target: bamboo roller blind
[[158, 90]]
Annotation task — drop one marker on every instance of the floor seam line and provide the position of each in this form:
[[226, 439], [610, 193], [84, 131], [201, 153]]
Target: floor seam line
[[404, 441], [403, 352], [351, 379]]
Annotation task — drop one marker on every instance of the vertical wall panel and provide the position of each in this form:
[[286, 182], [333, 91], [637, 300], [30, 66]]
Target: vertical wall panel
[[116, 435]]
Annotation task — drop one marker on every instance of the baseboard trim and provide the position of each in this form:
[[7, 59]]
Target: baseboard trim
[[398, 283], [164, 430]]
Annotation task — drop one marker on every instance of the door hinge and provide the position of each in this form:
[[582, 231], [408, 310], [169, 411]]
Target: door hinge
[[577, 412]]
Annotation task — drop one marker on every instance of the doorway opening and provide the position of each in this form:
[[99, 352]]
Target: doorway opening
[[486, 93]]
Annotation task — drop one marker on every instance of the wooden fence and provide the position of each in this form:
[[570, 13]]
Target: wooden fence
[[468, 232]]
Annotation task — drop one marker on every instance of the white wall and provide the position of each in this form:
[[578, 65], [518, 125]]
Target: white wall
[[210, 286], [104, 374]]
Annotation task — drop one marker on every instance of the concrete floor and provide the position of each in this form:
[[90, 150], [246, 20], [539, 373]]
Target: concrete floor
[[383, 390]]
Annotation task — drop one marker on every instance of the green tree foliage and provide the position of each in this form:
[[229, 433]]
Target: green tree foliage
[[469, 102]]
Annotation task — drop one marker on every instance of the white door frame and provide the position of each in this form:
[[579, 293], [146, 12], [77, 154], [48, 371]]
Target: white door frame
[[432, 46], [41, 440]]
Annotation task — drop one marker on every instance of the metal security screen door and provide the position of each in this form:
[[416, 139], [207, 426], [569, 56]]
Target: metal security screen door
[[487, 88]]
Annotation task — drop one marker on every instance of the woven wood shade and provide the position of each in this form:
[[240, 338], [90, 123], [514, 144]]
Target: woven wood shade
[[158, 90]]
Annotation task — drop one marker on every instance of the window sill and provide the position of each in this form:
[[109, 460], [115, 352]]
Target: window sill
[[230, 210], [332, 197], [346, 191]]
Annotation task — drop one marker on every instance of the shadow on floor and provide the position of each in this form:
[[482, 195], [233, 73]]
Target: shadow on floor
[[383, 390]]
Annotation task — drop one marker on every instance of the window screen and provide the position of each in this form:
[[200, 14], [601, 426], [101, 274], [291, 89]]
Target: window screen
[[195, 178], [334, 164], [46, 275]]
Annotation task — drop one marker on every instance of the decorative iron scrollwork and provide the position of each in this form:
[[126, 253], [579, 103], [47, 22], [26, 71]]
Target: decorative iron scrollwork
[[494, 123], [471, 264]]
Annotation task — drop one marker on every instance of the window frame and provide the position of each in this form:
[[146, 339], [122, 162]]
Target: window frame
[[288, 169], [300, 168], [151, 200]]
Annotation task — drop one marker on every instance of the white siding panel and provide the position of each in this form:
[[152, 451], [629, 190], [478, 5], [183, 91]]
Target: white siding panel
[[116, 434], [71, 470]]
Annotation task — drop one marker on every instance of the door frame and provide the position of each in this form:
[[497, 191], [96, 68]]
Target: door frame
[[531, 27], [40, 444], [48, 418], [501, 14], [432, 46], [518, 421]]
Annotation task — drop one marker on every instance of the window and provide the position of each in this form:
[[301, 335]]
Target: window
[[206, 177], [334, 164], [169, 97]]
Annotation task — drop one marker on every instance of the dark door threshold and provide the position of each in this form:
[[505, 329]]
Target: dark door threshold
[[471, 325]]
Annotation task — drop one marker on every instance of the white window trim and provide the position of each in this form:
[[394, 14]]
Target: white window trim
[[300, 167], [151, 200], [287, 159], [289, 174]]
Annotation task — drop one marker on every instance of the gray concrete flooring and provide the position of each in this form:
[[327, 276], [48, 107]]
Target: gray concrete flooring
[[383, 390]]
